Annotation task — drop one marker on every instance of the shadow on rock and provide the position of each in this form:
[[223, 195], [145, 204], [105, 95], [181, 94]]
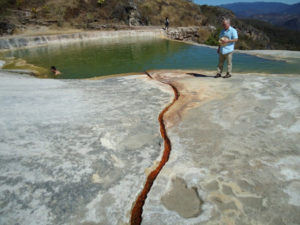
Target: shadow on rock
[[199, 75]]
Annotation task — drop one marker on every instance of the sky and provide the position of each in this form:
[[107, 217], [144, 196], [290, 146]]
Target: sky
[[219, 2]]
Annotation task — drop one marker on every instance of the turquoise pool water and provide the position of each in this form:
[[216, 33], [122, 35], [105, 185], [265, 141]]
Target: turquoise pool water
[[97, 58]]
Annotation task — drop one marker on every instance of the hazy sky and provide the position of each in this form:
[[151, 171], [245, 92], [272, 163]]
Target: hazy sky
[[219, 2]]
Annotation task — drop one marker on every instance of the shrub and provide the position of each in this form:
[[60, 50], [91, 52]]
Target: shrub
[[204, 34], [60, 12], [90, 17], [34, 12], [3, 4], [242, 45], [19, 3], [213, 38], [100, 2], [45, 10]]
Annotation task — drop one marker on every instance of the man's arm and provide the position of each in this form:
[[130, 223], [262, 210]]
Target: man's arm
[[226, 42], [230, 41], [234, 37]]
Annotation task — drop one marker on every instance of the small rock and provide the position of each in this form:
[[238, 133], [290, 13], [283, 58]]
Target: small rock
[[6, 28]]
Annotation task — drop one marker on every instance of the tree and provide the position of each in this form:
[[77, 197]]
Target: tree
[[3, 5], [100, 2]]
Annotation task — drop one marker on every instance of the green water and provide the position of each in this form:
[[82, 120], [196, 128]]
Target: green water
[[95, 58]]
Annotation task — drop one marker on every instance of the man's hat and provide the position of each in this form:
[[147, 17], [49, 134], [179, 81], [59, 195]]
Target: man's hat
[[223, 39]]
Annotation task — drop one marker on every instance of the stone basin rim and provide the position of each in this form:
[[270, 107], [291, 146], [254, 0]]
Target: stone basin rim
[[102, 77]]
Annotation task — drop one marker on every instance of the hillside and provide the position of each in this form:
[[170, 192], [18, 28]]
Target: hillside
[[88, 13], [20, 16], [278, 14], [293, 9], [281, 38], [288, 21]]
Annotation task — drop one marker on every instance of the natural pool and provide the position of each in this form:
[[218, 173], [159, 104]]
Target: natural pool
[[97, 58]]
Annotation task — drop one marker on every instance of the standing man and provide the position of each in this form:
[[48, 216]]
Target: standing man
[[228, 37]]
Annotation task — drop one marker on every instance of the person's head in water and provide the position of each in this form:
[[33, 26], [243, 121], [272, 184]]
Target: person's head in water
[[226, 23], [54, 70]]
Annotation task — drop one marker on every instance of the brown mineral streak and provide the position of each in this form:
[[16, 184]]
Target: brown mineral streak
[[137, 210]]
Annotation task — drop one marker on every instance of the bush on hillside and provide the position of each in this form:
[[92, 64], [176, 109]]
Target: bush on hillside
[[100, 2], [204, 34], [213, 38], [3, 5]]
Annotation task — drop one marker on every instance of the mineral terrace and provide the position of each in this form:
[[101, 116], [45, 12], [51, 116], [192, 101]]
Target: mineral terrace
[[78, 152]]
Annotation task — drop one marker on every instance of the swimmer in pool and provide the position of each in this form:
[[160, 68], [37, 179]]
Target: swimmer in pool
[[55, 71]]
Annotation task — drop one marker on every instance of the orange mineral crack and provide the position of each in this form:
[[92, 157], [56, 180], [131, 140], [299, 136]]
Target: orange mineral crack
[[137, 210]]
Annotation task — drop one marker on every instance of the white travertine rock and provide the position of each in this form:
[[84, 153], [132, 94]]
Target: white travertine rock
[[76, 151]]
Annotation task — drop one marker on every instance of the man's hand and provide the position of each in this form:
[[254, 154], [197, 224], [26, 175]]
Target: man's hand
[[229, 41], [225, 41]]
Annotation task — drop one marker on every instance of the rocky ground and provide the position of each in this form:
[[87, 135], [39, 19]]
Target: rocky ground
[[235, 152], [75, 152], [79, 151], [275, 54]]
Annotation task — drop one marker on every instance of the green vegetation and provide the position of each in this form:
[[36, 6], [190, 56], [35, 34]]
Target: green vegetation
[[213, 39], [281, 38], [204, 34], [100, 2], [3, 5]]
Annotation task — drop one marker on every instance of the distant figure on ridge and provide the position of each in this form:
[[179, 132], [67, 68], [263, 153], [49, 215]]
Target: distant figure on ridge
[[228, 37], [55, 71], [167, 23]]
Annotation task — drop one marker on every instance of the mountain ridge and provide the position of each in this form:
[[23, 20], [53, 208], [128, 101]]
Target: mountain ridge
[[245, 9]]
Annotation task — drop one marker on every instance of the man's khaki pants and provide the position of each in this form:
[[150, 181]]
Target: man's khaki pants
[[222, 59]]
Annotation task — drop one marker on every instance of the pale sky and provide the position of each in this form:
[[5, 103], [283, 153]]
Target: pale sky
[[219, 2]]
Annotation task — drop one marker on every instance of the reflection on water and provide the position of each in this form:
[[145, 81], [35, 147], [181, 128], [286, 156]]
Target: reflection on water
[[96, 58]]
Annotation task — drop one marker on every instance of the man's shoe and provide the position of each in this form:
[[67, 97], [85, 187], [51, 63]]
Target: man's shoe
[[227, 75], [218, 75]]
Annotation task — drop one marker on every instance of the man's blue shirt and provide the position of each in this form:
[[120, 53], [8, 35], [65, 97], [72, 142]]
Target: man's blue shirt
[[231, 33]]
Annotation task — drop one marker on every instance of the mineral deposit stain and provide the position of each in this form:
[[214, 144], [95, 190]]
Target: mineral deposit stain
[[136, 213]]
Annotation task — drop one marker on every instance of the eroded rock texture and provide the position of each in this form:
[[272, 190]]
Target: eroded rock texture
[[237, 144], [75, 152], [79, 151]]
